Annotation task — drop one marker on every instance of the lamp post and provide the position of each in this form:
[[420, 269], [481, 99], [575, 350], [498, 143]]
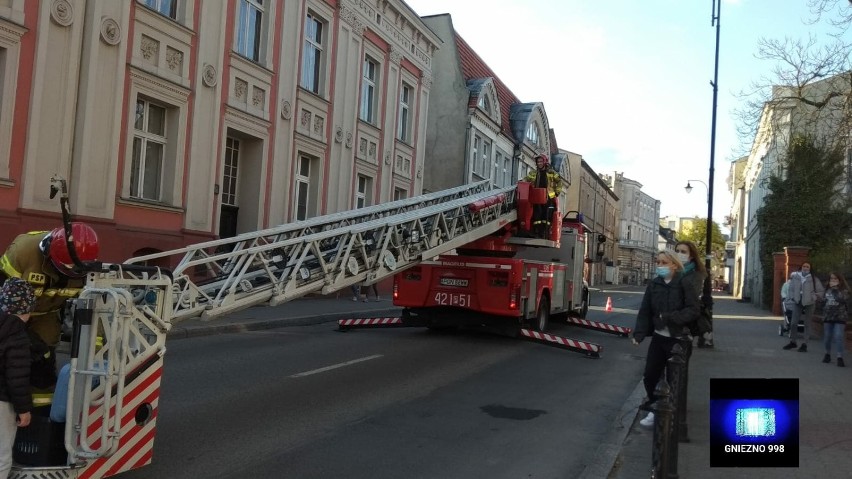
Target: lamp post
[[708, 254]]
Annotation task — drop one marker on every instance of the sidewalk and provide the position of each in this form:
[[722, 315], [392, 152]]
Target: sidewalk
[[299, 312], [748, 346]]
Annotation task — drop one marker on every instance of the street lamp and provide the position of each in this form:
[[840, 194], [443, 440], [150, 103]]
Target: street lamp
[[688, 186]]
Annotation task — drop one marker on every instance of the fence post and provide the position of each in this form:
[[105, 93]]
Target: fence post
[[663, 410], [674, 375], [683, 433]]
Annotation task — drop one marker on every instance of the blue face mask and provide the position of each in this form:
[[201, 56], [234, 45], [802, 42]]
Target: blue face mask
[[663, 271]]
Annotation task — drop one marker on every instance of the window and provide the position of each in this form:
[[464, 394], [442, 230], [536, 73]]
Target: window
[[368, 91], [149, 144], [485, 160], [474, 155], [229, 180], [362, 195], [399, 194], [163, 7], [507, 171], [249, 26], [312, 55], [404, 126], [484, 104], [303, 186], [533, 134]]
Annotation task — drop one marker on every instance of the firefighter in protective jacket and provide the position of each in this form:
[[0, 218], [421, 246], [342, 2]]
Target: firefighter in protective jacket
[[544, 177], [42, 259]]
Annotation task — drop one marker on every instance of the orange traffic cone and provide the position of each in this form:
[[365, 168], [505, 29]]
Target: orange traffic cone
[[608, 304]]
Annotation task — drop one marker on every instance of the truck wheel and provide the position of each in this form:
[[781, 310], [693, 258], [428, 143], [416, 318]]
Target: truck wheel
[[584, 310], [539, 323]]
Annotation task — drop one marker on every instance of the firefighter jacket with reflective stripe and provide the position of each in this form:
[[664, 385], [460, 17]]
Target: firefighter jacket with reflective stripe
[[546, 179], [24, 259]]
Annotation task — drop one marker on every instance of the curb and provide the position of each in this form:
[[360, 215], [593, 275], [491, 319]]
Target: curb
[[607, 453], [178, 332]]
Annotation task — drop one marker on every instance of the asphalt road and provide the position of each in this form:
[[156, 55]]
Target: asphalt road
[[311, 402]]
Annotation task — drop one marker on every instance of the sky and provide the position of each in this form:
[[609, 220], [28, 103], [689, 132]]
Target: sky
[[627, 83]]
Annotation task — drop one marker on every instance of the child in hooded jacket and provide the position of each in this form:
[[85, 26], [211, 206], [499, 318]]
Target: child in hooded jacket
[[16, 302]]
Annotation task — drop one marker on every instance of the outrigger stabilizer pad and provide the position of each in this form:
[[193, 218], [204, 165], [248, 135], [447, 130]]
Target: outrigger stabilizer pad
[[591, 350], [605, 327], [346, 324]]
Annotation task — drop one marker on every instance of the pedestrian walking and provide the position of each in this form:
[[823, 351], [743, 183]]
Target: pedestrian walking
[[805, 289], [668, 308], [835, 315], [17, 300], [367, 288]]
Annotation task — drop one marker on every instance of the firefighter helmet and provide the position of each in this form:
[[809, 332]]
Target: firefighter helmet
[[85, 245], [544, 159]]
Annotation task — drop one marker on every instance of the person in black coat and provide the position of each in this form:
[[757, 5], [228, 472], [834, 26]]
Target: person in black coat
[[16, 302], [668, 308]]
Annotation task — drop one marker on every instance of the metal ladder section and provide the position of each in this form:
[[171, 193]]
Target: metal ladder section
[[328, 253], [130, 313]]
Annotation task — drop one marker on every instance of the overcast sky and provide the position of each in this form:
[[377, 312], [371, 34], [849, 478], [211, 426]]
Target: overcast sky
[[626, 83]]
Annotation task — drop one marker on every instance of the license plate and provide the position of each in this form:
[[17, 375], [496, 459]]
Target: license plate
[[454, 282], [452, 299]]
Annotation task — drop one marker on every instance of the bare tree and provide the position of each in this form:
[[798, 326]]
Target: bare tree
[[807, 91], [837, 12]]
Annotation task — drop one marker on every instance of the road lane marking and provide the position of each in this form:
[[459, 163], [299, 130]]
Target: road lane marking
[[335, 366]]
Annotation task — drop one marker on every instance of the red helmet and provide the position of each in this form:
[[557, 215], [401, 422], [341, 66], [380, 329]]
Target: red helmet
[[85, 244], [543, 158]]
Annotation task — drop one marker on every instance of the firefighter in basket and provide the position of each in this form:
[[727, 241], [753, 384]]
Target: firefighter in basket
[[42, 259], [544, 177]]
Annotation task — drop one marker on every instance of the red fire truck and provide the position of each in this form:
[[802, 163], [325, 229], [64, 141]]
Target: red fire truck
[[504, 276]]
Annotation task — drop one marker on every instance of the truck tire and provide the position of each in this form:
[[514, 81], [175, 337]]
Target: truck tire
[[542, 317]]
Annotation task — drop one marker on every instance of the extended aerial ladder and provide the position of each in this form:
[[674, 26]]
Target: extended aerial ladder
[[328, 253]]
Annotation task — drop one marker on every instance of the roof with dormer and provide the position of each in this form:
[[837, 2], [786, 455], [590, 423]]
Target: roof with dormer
[[476, 73]]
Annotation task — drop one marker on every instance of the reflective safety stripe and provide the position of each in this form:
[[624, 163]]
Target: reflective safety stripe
[[42, 399], [61, 292], [7, 267]]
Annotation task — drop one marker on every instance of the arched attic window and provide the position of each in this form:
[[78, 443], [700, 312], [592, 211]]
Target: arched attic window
[[484, 103], [534, 134]]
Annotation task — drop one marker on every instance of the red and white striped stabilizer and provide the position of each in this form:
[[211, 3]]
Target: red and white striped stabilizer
[[589, 349], [605, 327], [344, 324]]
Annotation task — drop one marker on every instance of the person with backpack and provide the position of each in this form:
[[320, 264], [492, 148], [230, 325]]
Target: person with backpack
[[694, 275], [17, 300], [805, 290], [668, 308]]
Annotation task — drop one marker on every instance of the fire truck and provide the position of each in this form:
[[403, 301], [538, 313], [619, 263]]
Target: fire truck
[[505, 276], [462, 249]]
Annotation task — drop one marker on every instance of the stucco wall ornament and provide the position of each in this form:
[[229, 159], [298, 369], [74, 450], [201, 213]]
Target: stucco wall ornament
[[62, 12], [349, 140], [110, 31], [208, 76], [420, 171], [174, 59], [350, 16], [338, 134], [395, 55], [149, 48], [387, 158], [426, 79], [286, 110]]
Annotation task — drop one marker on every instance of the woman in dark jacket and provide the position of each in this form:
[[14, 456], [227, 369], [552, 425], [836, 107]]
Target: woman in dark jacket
[[694, 274], [668, 308], [16, 303]]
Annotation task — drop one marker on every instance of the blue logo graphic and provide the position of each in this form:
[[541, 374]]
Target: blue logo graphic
[[755, 421]]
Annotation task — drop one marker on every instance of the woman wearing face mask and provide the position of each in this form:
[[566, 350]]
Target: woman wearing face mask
[[834, 317], [694, 274], [668, 308]]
